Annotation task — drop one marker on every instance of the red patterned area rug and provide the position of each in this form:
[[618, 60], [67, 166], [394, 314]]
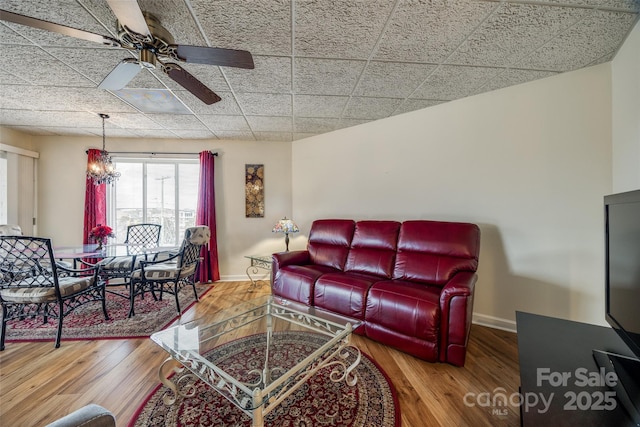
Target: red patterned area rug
[[372, 401], [87, 322]]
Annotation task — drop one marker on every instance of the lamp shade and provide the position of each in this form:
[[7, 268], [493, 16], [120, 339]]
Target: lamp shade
[[285, 225]]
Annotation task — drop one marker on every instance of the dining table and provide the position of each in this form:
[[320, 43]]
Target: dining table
[[92, 251], [117, 280]]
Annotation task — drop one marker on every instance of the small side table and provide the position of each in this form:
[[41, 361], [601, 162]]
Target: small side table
[[258, 262]]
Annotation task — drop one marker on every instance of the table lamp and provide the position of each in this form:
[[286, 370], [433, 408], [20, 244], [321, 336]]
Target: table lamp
[[286, 226]]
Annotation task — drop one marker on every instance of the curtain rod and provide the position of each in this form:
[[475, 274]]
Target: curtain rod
[[153, 153]]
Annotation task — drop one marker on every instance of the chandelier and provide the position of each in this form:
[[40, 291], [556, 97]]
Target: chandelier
[[101, 170]]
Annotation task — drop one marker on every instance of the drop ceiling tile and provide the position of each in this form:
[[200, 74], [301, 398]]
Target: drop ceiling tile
[[274, 136], [409, 105], [599, 34], [55, 98], [226, 106], [513, 31], [429, 31], [297, 136], [235, 136], [514, 77], [452, 82], [371, 108], [392, 79], [261, 26], [112, 132], [270, 124], [154, 133], [271, 75], [177, 121], [319, 105], [628, 5], [34, 65], [134, 121], [145, 79], [347, 122], [175, 17], [349, 29], [46, 118], [73, 131], [267, 104], [152, 101], [33, 131], [315, 125], [9, 36], [95, 64], [194, 134], [225, 123], [326, 76]]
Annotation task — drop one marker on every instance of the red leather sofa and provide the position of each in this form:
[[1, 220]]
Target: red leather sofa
[[411, 283]]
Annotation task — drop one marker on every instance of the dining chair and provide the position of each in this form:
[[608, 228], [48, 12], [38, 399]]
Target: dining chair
[[33, 284], [120, 267], [143, 234], [171, 274]]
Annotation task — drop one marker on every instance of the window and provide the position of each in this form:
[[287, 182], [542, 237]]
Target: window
[[157, 191]]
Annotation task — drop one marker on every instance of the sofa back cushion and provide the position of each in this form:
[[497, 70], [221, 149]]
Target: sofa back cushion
[[433, 251], [373, 249], [329, 241]]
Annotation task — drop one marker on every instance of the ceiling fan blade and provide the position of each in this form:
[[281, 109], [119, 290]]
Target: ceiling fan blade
[[121, 75], [214, 56], [190, 83], [57, 28], [129, 15]]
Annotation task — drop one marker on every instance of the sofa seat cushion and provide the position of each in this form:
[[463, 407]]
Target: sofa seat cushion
[[343, 293], [405, 307], [296, 282]]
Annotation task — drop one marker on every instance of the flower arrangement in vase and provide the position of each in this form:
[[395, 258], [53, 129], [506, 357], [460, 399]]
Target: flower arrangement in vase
[[99, 234]]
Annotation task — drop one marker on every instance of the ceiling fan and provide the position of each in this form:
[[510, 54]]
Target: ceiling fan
[[142, 32]]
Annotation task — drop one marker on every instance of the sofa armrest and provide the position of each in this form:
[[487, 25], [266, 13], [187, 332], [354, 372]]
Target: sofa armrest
[[91, 415], [456, 307], [282, 259]]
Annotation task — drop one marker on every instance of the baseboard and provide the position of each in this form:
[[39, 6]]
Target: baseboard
[[494, 322]]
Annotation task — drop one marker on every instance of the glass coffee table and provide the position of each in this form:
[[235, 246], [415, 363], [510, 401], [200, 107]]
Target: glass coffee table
[[256, 388]]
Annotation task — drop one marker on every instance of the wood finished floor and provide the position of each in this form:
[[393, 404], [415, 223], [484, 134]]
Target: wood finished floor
[[39, 384]]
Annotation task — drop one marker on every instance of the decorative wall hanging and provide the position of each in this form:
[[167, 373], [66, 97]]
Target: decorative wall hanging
[[254, 191]]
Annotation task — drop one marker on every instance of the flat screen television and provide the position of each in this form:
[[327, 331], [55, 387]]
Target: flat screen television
[[622, 294], [622, 266]]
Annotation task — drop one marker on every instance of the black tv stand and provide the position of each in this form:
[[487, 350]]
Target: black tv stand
[[556, 356], [625, 374]]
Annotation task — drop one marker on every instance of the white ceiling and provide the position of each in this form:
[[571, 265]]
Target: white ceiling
[[320, 65]]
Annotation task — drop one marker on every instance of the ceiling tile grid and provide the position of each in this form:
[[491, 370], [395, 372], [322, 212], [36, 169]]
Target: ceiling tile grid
[[320, 65]]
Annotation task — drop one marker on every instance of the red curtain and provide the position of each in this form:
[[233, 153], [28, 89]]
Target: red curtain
[[95, 200], [206, 215]]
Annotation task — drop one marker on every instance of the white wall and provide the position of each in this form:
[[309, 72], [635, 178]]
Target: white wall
[[626, 114], [529, 164], [61, 187]]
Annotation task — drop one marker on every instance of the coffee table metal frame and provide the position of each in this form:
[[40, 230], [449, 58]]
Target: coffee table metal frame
[[185, 344]]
